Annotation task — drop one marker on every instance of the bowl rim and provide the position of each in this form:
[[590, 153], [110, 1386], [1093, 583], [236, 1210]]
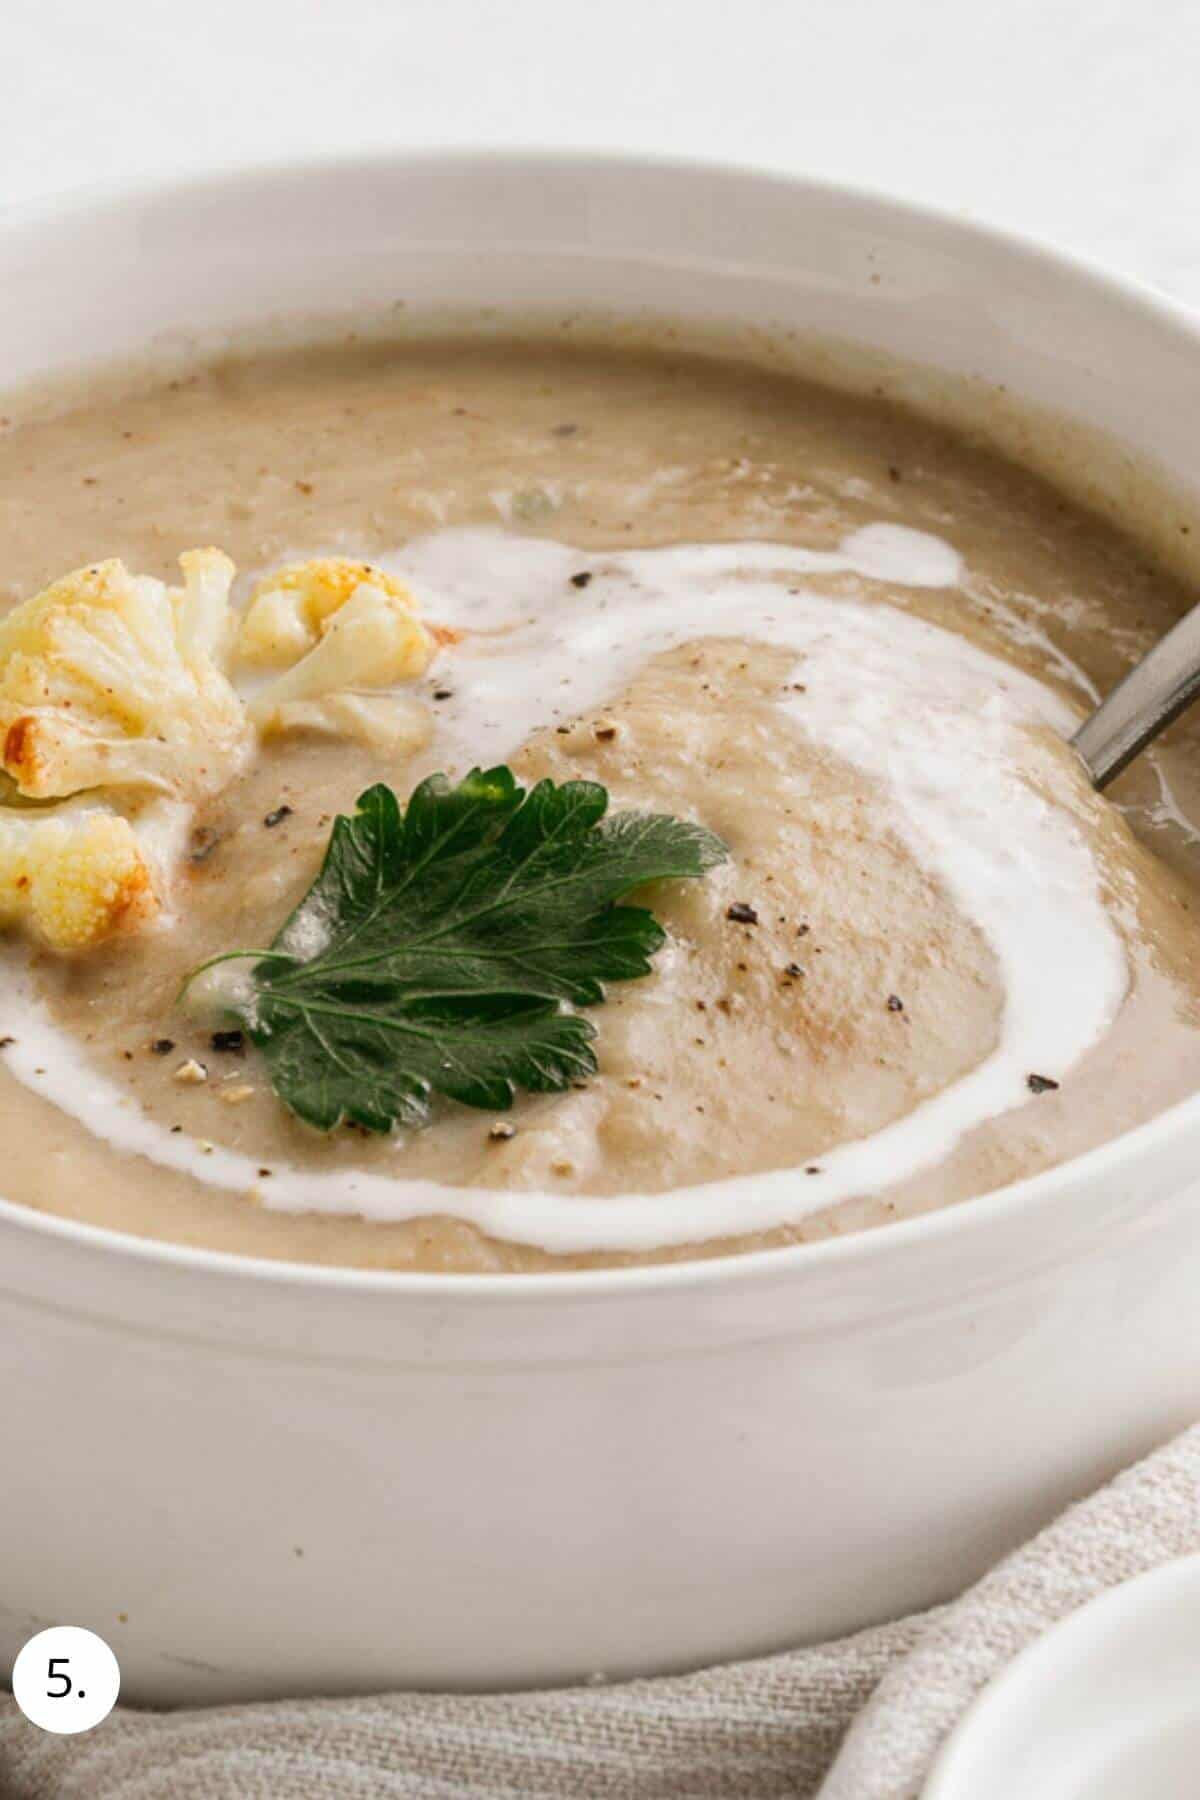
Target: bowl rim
[[973, 1217]]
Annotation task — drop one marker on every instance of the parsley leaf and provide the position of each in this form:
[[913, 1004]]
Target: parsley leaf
[[442, 943]]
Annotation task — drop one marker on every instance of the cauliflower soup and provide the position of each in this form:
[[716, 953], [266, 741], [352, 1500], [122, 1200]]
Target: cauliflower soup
[[761, 899]]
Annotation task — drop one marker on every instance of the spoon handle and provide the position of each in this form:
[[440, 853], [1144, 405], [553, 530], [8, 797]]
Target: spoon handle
[[1152, 694]]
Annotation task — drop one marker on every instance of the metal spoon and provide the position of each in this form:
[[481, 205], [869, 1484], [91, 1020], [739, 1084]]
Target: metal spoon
[[1152, 694]]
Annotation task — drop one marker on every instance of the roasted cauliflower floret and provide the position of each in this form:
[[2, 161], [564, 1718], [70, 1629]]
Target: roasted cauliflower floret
[[73, 880], [389, 724], [290, 611], [342, 627], [112, 679]]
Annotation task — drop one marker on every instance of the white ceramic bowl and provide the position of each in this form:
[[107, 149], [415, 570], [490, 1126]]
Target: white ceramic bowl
[[258, 1479], [1104, 1706]]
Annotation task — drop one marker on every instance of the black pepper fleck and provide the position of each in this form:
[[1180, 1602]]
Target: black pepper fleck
[[163, 1046], [228, 1040], [581, 580], [1041, 1084], [277, 817], [742, 913], [443, 693], [793, 969], [895, 1003], [813, 1169], [6, 1041], [204, 842]]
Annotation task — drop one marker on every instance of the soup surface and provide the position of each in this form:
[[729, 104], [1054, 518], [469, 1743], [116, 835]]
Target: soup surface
[[845, 642]]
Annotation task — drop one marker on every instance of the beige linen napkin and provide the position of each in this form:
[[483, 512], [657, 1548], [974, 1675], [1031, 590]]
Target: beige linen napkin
[[758, 1730]]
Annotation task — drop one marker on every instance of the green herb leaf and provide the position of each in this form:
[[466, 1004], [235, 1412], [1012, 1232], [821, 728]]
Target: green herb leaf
[[441, 945]]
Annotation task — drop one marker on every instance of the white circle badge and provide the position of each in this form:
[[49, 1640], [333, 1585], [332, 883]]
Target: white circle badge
[[66, 1679]]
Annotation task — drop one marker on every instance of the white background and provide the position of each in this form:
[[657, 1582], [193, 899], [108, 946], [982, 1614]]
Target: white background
[[1078, 120]]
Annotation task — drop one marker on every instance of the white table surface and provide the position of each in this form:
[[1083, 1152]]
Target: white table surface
[[1077, 120]]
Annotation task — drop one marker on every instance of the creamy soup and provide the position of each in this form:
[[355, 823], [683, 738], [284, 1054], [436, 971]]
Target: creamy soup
[[850, 645]]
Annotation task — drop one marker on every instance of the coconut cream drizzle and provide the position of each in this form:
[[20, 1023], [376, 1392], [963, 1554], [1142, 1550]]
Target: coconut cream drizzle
[[932, 716]]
